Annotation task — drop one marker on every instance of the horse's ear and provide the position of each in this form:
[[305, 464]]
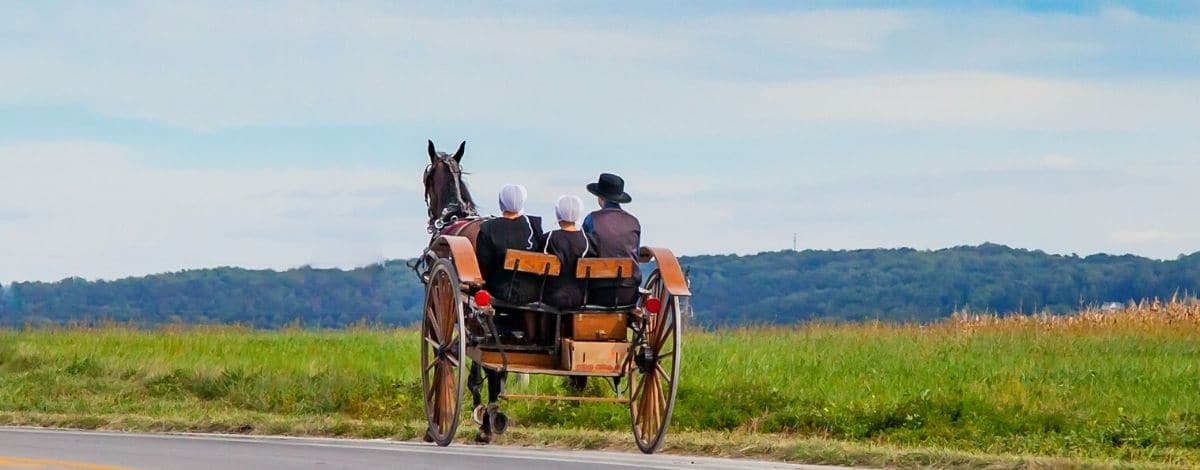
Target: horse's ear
[[459, 154], [432, 152]]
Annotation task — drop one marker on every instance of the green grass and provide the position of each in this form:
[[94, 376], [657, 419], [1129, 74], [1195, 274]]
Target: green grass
[[1009, 394]]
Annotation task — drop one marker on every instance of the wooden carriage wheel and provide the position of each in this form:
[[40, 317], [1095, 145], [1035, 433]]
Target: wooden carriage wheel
[[654, 374], [443, 346]]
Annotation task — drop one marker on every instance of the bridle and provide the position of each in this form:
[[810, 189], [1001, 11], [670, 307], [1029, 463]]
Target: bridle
[[452, 212]]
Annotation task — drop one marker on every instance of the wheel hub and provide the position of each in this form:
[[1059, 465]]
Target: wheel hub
[[644, 358], [442, 352]]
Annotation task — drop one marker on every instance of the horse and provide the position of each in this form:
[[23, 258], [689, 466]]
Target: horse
[[452, 211]]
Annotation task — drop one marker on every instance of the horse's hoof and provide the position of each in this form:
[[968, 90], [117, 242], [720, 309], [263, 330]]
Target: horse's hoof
[[428, 437], [497, 420], [479, 414], [484, 437]]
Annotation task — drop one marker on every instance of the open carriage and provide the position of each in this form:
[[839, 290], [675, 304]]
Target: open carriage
[[634, 347]]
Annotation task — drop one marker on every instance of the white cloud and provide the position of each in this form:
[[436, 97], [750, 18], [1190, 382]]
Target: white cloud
[[977, 100], [1058, 161], [815, 84], [98, 210], [1139, 237], [807, 31], [1051, 162], [204, 67]]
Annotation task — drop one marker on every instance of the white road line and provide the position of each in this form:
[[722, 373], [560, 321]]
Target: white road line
[[661, 461]]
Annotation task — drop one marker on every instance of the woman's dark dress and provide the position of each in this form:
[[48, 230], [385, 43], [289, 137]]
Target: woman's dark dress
[[496, 237], [565, 291]]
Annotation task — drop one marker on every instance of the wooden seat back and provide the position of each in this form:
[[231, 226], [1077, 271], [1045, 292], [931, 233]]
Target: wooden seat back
[[530, 262], [604, 268]]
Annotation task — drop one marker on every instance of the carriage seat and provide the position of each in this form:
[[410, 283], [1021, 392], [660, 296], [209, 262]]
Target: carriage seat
[[593, 322], [602, 268], [545, 266], [537, 264]]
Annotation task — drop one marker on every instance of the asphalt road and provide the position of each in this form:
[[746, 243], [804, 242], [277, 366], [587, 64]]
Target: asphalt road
[[22, 448]]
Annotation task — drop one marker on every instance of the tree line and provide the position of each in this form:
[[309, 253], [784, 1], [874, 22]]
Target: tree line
[[766, 288]]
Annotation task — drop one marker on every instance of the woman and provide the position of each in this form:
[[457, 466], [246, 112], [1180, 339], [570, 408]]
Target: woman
[[513, 230], [569, 244]]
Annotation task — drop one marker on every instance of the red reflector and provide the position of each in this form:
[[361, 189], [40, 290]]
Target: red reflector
[[653, 305], [483, 298]]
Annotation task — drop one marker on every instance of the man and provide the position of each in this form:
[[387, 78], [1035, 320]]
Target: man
[[618, 234]]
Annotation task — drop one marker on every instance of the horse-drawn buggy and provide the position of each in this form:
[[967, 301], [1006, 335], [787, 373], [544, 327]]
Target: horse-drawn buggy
[[468, 332]]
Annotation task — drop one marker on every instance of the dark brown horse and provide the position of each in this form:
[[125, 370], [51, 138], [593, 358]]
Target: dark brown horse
[[452, 211]]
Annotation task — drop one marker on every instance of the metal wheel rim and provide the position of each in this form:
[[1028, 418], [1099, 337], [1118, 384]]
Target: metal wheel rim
[[441, 325], [649, 433]]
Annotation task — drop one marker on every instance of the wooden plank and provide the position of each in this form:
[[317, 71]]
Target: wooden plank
[[599, 327], [520, 359], [460, 251], [594, 356], [513, 396], [532, 263], [604, 268], [668, 266], [557, 372], [552, 369]]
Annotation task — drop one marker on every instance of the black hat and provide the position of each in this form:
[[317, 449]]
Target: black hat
[[610, 187]]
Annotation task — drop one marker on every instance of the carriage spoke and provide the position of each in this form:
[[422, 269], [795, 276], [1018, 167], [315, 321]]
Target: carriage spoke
[[637, 392], [669, 319], [662, 397], [659, 406], [444, 398], [647, 421], [445, 319], [643, 411], [651, 418], [661, 372], [441, 304], [431, 395], [429, 322], [668, 328], [433, 319]]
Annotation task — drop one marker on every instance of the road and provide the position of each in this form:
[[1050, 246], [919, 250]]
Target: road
[[23, 448]]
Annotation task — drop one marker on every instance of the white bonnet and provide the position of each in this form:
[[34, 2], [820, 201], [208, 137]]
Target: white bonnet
[[512, 198], [568, 208]]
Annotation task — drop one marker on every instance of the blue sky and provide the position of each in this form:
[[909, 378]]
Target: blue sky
[[148, 137]]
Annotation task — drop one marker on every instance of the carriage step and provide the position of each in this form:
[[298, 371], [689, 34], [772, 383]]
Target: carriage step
[[508, 396]]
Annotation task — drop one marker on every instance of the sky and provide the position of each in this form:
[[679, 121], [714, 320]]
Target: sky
[[147, 137]]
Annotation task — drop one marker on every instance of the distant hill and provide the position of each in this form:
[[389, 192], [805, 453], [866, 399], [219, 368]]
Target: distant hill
[[907, 284], [777, 287]]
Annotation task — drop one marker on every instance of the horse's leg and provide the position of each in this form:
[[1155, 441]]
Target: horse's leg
[[475, 384], [495, 382], [495, 385]]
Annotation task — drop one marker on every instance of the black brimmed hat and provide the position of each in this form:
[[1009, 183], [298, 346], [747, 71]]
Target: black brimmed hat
[[610, 187]]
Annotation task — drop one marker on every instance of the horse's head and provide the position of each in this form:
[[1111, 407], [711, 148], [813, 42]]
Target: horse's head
[[445, 193]]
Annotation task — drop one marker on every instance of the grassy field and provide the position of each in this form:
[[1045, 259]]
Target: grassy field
[[1103, 389]]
